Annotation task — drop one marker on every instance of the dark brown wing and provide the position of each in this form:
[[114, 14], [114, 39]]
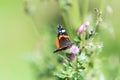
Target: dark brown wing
[[60, 49], [64, 44]]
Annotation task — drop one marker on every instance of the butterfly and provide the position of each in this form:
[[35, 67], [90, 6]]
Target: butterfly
[[62, 40]]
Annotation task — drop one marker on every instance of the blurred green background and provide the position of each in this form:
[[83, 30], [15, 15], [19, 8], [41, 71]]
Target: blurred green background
[[26, 38]]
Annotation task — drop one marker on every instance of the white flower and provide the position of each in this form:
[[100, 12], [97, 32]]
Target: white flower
[[100, 46], [90, 46], [82, 56]]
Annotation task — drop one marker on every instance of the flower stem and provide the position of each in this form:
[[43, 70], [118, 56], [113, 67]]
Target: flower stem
[[71, 14], [82, 44], [102, 5], [85, 8]]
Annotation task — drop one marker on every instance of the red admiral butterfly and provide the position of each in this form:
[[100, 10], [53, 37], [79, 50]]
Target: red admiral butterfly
[[62, 40]]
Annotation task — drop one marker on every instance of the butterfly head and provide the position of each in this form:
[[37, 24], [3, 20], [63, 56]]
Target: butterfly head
[[61, 30]]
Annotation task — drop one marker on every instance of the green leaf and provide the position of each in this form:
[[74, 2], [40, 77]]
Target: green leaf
[[81, 78], [67, 51], [60, 75], [76, 40], [82, 67]]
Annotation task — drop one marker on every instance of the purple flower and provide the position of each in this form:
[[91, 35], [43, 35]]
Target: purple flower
[[83, 27], [72, 56], [74, 49]]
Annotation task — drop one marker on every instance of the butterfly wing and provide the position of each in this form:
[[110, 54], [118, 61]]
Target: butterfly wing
[[63, 43]]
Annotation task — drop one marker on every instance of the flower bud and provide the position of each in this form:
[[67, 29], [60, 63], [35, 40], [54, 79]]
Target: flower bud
[[72, 56], [83, 27]]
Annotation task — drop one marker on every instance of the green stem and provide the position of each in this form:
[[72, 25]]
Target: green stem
[[85, 8], [76, 68], [82, 44], [71, 14], [102, 5]]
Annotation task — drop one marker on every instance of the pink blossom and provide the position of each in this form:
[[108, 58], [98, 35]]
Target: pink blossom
[[74, 49], [83, 27]]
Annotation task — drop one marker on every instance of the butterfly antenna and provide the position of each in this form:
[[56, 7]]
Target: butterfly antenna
[[59, 26]]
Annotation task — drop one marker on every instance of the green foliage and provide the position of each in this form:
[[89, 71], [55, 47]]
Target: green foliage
[[46, 15]]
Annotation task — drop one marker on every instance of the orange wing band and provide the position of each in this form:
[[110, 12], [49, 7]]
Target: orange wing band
[[65, 36], [57, 43]]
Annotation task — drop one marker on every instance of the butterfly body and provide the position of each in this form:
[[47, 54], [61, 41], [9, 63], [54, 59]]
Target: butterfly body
[[62, 40]]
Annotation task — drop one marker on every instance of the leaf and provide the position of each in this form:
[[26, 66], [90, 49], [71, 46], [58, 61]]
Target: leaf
[[76, 40], [81, 78], [60, 75], [82, 67]]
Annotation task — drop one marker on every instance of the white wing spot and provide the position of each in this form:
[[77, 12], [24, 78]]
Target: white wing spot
[[63, 31], [59, 31]]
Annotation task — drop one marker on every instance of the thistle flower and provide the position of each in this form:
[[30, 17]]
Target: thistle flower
[[83, 27], [74, 49]]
